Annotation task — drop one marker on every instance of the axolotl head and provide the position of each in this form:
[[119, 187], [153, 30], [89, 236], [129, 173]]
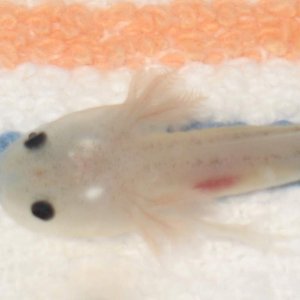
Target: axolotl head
[[56, 179]]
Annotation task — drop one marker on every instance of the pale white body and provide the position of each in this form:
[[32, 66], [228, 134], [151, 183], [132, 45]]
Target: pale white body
[[106, 171]]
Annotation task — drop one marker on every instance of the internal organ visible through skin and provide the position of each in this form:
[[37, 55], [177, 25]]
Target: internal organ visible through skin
[[128, 35], [217, 183]]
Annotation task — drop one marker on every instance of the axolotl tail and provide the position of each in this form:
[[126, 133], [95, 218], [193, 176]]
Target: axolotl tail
[[228, 161]]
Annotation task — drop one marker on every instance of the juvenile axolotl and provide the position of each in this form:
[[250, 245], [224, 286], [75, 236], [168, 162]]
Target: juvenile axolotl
[[107, 171]]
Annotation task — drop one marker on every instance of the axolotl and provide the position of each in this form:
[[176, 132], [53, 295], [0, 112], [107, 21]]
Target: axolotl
[[110, 170]]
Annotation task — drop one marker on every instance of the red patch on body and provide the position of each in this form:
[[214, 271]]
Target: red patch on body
[[216, 183]]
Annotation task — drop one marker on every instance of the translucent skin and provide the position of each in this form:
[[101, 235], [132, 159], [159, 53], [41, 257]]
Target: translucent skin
[[106, 172], [128, 35]]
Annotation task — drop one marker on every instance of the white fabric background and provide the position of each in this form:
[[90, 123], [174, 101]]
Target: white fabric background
[[37, 267]]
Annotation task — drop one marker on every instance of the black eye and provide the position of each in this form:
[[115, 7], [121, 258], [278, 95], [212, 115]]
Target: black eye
[[35, 140], [42, 210]]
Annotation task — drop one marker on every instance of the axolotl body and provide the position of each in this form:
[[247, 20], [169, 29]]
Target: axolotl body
[[104, 171]]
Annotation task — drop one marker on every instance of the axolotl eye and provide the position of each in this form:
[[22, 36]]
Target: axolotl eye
[[40, 209], [43, 210], [35, 140]]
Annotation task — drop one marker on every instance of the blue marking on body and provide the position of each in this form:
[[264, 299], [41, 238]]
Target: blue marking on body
[[8, 138], [282, 123], [197, 125], [202, 125]]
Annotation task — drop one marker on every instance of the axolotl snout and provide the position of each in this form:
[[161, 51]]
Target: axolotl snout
[[104, 171]]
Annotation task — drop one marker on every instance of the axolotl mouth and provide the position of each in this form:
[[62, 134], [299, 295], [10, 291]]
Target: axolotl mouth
[[40, 209], [6, 139]]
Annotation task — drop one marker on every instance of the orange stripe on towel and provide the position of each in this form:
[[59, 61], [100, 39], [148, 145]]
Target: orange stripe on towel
[[127, 35]]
